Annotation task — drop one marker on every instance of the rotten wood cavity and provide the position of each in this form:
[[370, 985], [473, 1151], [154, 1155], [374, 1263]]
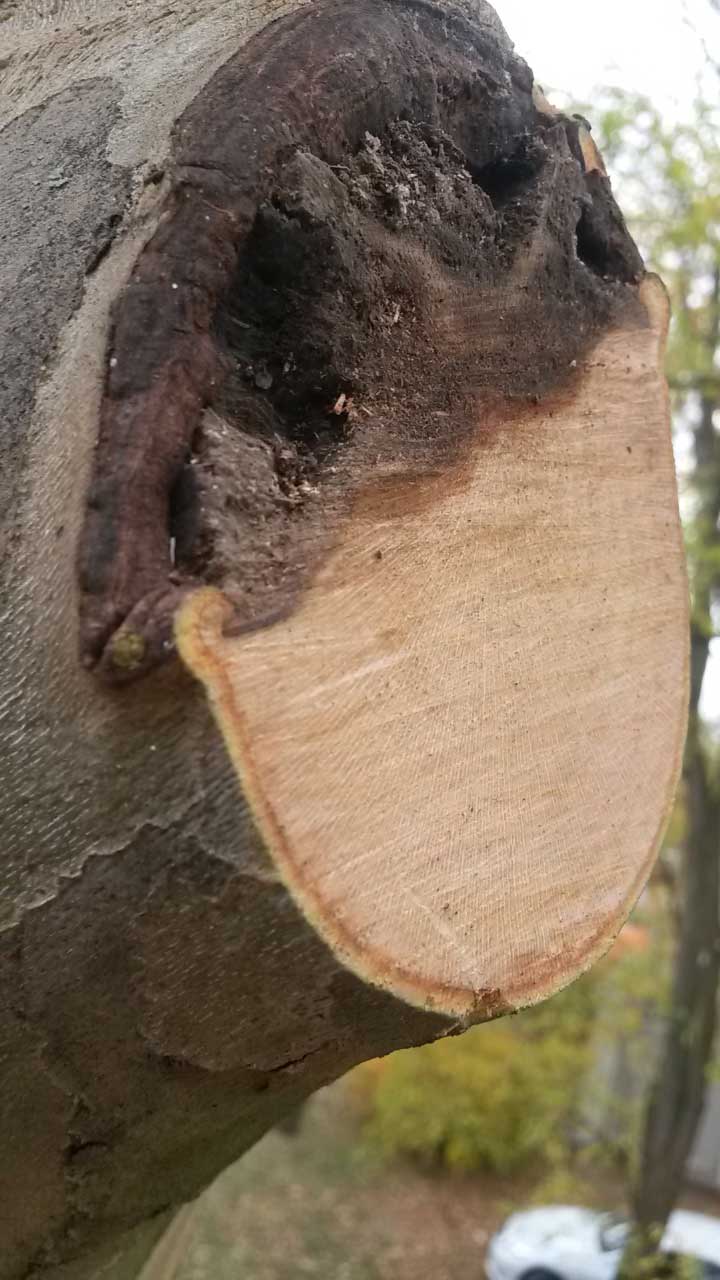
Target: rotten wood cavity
[[348, 176]]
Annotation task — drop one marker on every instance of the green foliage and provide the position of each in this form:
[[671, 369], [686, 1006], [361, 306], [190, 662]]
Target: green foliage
[[519, 1095], [498, 1098], [571, 1182], [475, 1102], [688, 1268], [642, 1259]]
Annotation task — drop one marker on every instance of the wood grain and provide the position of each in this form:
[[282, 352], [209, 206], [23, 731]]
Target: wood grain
[[463, 745]]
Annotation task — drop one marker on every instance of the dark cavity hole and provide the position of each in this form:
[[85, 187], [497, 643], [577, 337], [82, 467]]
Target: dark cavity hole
[[507, 178], [602, 240], [592, 247], [184, 516], [288, 328]]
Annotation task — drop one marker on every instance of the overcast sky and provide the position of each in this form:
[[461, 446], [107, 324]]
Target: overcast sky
[[656, 47], [653, 46]]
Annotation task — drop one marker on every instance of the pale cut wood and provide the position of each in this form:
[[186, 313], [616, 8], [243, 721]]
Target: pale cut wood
[[462, 747]]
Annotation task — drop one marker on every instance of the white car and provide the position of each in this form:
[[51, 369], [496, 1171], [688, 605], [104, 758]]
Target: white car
[[567, 1243]]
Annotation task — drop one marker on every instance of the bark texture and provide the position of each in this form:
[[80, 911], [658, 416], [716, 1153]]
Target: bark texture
[[163, 1002]]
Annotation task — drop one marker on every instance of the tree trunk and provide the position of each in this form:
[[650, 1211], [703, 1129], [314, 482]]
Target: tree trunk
[[324, 348], [678, 1091]]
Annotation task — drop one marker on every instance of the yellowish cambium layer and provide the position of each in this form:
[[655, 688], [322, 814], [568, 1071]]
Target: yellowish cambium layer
[[461, 747]]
